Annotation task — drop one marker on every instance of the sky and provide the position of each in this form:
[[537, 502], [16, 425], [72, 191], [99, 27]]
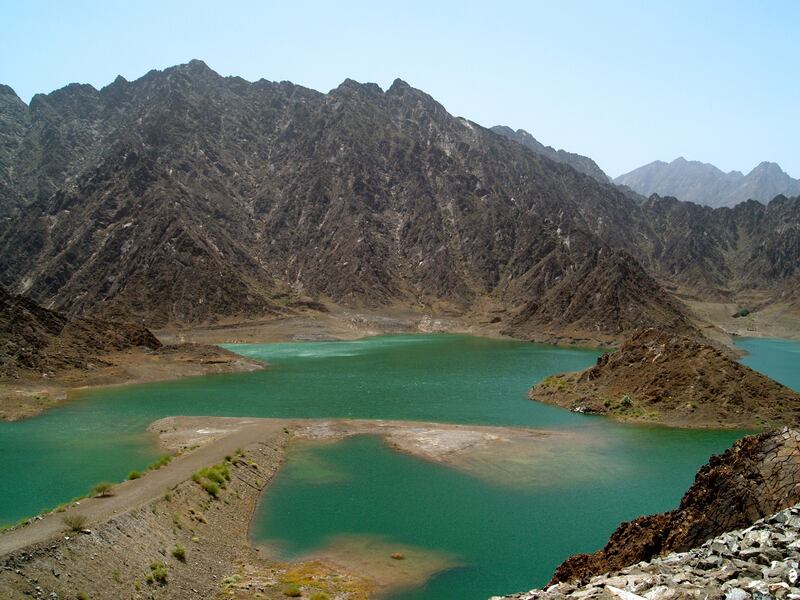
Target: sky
[[624, 82]]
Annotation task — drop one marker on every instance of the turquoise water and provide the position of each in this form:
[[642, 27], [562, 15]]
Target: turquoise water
[[779, 359], [505, 538], [100, 435]]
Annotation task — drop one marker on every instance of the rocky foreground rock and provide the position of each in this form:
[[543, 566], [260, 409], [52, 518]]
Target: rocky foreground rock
[[759, 562], [657, 376]]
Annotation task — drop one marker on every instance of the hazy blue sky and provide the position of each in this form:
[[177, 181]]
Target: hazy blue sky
[[623, 82]]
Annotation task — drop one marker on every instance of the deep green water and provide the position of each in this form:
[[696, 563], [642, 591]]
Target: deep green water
[[506, 537]]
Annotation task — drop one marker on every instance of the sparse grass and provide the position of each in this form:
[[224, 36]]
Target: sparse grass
[[103, 489], [557, 382], [163, 461], [134, 475], [292, 590], [176, 520], [179, 552], [116, 576], [75, 522]]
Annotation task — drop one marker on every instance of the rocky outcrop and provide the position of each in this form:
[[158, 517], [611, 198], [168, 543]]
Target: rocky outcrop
[[759, 562], [658, 376], [35, 340], [756, 477], [704, 183]]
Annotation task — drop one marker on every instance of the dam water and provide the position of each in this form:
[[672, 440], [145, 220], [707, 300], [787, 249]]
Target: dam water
[[480, 536]]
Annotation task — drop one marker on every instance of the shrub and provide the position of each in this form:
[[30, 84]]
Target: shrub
[[134, 475], [212, 488], [161, 462], [626, 401], [292, 591], [213, 478], [82, 596], [320, 596], [179, 552], [75, 522], [103, 489], [158, 573]]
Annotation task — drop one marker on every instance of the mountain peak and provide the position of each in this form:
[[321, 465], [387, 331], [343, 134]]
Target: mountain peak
[[703, 183]]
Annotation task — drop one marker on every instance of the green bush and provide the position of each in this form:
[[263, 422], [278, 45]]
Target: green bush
[[212, 487], [213, 478], [179, 552], [158, 573], [103, 489], [320, 596], [82, 596], [134, 475]]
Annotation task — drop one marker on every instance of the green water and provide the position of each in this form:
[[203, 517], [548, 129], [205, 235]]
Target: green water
[[504, 537], [779, 359]]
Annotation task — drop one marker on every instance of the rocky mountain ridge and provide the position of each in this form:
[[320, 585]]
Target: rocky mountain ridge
[[703, 183], [208, 196], [184, 197], [584, 164]]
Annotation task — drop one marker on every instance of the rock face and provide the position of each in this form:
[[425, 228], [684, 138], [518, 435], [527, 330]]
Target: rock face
[[657, 376], [706, 184], [185, 196], [759, 562], [756, 477], [584, 164], [36, 340]]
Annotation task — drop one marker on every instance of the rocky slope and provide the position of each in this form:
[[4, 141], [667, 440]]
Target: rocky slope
[[36, 340], [44, 354], [756, 477], [584, 164], [660, 377], [758, 562], [704, 183], [184, 196]]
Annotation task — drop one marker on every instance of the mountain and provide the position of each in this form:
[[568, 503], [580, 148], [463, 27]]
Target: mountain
[[660, 377], [704, 183], [583, 164], [37, 340], [185, 196]]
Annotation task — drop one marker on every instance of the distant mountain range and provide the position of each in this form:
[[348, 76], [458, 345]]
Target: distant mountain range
[[704, 183], [185, 197]]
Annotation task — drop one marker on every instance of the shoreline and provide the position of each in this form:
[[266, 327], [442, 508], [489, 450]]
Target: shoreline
[[28, 397], [166, 507]]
